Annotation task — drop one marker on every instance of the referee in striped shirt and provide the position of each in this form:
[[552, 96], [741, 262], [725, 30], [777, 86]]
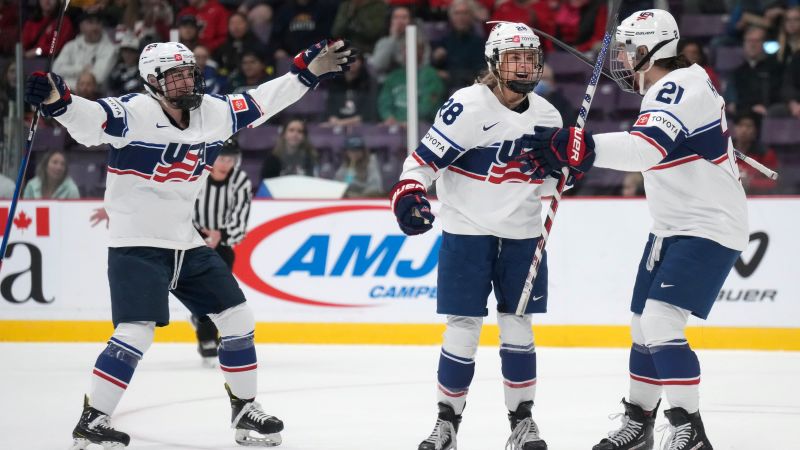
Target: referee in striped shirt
[[220, 215]]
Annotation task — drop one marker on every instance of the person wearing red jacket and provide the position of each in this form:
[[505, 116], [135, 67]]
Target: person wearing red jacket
[[581, 23], [37, 33], [213, 20], [536, 13]]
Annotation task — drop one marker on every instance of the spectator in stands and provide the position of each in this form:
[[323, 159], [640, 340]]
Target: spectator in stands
[[633, 185], [37, 33], [746, 139], [213, 20], [260, 19], [756, 84], [6, 187], [124, 78], [156, 20], [438, 10], [581, 23], [547, 89], [459, 56], [747, 14], [92, 50], [188, 31], [240, 40], [252, 72], [51, 180], [359, 170], [86, 86], [392, 96], [536, 13], [386, 55], [351, 98], [789, 36], [299, 23], [361, 22], [693, 51], [294, 152], [215, 83]]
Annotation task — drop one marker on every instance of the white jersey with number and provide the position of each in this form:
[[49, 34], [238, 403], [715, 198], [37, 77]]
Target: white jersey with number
[[469, 151], [680, 142], [155, 170]]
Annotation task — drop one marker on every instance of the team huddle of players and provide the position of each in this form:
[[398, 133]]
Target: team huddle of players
[[494, 140]]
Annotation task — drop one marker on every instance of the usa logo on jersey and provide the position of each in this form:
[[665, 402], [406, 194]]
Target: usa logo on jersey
[[163, 163], [645, 15]]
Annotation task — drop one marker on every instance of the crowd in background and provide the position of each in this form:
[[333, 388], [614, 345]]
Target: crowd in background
[[242, 43]]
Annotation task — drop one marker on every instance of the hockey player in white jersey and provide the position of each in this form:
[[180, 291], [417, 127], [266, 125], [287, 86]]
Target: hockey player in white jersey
[[491, 217], [681, 145], [162, 146]]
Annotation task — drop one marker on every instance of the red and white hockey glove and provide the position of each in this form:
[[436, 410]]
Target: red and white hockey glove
[[551, 149], [412, 209]]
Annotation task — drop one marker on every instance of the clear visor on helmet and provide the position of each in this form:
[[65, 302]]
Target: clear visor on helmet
[[626, 60], [520, 69]]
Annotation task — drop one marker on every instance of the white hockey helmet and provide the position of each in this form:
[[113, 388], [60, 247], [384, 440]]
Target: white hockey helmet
[[507, 36], [641, 39], [157, 59]]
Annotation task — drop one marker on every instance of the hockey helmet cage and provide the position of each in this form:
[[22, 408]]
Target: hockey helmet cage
[[507, 36], [158, 59], [641, 39]]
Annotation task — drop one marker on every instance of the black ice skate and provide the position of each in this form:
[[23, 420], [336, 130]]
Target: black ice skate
[[94, 428], [207, 340], [443, 436], [636, 432], [253, 426], [686, 431], [524, 432]]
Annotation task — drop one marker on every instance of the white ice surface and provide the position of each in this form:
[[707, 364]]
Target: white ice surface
[[380, 397]]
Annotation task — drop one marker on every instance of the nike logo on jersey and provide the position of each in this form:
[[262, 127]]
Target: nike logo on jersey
[[485, 128], [538, 298], [666, 285], [158, 125]]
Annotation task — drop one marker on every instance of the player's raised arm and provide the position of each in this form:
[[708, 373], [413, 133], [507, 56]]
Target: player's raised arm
[[85, 120], [323, 60]]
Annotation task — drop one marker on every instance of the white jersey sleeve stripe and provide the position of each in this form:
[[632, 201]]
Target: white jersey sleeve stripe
[[449, 141], [652, 142], [704, 128]]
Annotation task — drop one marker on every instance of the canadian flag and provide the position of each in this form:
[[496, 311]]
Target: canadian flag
[[38, 222]]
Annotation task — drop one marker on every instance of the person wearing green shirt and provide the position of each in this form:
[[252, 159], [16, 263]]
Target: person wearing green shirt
[[430, 92], [51, 180]]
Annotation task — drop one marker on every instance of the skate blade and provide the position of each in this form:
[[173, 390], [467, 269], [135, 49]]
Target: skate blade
[[250, 438], [83, 444]]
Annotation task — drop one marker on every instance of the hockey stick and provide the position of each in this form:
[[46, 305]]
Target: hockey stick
[[611, 26], [23, 165], [769, 173]]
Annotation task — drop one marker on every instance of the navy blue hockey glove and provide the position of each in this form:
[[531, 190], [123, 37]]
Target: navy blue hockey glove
[[551, 149], [412, 209], [38, 89], [323, 60]]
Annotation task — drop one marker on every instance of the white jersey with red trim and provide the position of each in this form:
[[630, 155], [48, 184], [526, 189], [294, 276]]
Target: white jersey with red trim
[[469, 152], [156, 170], [680, 142]]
